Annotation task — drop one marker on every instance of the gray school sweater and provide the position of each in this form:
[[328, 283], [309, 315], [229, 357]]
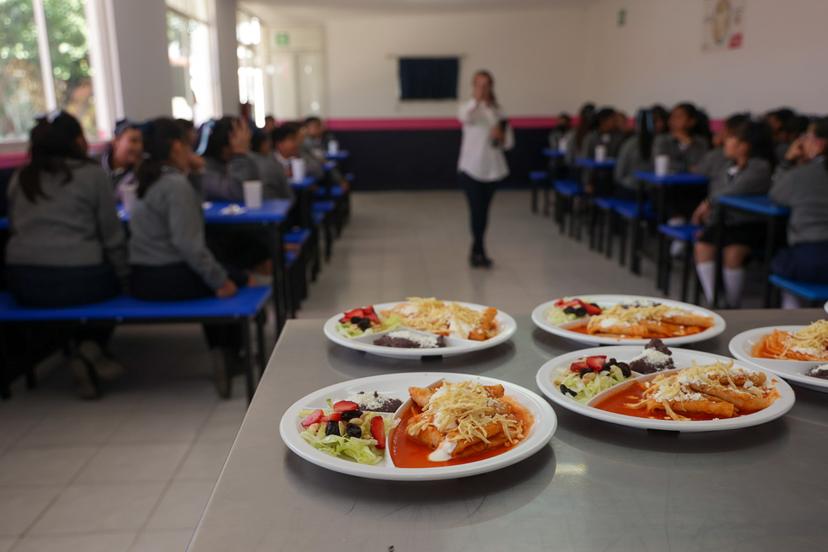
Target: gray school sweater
[[223, 181], [75, 225], [629, 161], [275, 183], [753, 179], [682, 159], [712, 163], [167, 227], [805, 190], [313, 165]]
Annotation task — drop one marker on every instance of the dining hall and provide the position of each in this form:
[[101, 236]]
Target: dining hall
[[413, 275]]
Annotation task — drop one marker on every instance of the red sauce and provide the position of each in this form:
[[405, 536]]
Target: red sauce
[[617, 403], [688, 330], [406, 452]]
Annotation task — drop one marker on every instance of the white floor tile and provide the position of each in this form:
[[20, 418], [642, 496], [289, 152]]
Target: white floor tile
[[205, 460], [42, 466], [160, 428], [20, 507], [182, 505], [6, 543], [90, 429], [133, 463], [96, 508], [162, 541], [105, 542]]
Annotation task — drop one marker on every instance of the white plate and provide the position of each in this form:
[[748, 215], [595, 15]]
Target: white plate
[[792, 370], [540, 320], [397, 385], [454, 346], [682, 358]]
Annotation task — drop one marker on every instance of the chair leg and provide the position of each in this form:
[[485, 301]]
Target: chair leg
[[248, 359], [622, 245], [685, 272], [610, 225], [666, 267], [534, 197], [261, 320], [546, 200]]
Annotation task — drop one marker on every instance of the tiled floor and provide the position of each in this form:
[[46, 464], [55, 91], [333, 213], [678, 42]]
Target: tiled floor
[[133, 471]]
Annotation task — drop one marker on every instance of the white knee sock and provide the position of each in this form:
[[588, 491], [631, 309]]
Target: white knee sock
[[790, 301], [707, 277], [734, 283]]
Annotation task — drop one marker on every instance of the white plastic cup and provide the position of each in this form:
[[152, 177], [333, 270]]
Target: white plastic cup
[[333, 147], [600, 153], [297, 169], [252, 194], [662, 165], [562, 145], [129, 195]]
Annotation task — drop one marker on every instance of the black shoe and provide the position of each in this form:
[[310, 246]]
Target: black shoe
[[477, 260], [485, 262]]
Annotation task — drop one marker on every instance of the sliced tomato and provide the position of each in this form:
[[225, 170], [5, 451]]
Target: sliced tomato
[[313, 418], [345, 406], [591, 309], [596, 363], [579, 365], [378, 431]]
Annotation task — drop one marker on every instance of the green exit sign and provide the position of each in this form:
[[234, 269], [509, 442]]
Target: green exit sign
[[282, 39], [622, 17]]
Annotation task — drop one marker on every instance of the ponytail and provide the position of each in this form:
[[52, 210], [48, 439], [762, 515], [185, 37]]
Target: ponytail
[[53, 140], [159, 135]]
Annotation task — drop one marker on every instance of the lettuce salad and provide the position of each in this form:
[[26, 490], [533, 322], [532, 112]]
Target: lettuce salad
[[584, 388], [363, 449]]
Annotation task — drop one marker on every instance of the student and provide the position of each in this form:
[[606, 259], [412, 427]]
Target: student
[[801, 185], [573, 141], [715, 160], [749, 151], [317, 135], [196, 161], [123, 155], [275, 183], [225, 144], [622, 125], [314, 163], [562, 127], [286, 145], [169, 256], [682, 144], [482, 163], [636, 154], [66, 245], [605, 133], [270, 123]]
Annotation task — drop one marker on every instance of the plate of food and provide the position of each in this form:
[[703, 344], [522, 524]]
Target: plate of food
[[418, 426], [419, 327], [657, 387], [797, 353], [626, 319]]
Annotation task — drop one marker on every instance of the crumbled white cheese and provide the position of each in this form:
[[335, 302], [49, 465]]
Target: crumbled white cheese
[[443, 452], [370, 401], [653, 356]]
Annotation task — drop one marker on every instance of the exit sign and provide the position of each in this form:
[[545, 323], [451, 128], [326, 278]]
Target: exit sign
[[282, 39], [622, 17]]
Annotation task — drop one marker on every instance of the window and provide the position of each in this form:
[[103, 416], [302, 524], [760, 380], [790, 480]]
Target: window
[[251, 75], [189, 50], [44, 65]]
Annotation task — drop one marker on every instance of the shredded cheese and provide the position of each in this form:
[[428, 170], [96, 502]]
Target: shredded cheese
[[436, 316], [811, 339]]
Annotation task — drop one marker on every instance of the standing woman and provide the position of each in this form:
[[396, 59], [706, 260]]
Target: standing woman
[[482, 164]]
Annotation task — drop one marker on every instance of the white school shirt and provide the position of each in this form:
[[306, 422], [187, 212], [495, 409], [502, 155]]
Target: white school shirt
[[478, 158]]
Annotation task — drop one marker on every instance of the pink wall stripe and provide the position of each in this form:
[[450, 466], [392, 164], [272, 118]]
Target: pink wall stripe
[[446, 123]]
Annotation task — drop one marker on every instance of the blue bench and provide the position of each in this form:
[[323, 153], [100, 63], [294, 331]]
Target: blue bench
[[685, 233], [810, 292], [302, 263], [248, 305], [538, 180], [566, 191]]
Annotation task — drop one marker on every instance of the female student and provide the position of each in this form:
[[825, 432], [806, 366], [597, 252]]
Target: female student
[[225, 144], [482, 164], [636, 153], [605, 133], [802, 185], [123, 155], [169, 256], [66, 245], [572, 142], [274, 179], [749, 151], [715, 161], [682, 144]]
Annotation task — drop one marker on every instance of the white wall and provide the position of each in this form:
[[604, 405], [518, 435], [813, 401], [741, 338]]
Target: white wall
[[657, 56], [530, 52]]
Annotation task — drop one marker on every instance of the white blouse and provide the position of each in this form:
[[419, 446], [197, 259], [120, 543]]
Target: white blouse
[[478, 157]]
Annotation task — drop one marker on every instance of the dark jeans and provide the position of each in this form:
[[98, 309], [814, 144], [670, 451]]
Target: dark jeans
[[806, 262], [66, 286], [178, 282], [479, 195]]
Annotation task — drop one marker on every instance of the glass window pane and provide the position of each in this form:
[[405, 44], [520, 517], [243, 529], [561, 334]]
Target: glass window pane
[[21, 86], [189, 53], [69, 50]]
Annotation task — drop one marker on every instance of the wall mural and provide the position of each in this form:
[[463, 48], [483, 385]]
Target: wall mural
[[723, 25]]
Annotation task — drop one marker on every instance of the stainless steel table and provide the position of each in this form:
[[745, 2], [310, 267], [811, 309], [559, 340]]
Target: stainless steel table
[[595, 487]]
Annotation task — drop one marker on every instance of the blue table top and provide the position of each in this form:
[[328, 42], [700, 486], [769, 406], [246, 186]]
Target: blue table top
[[330, 165], [341, 155], [553, 153], [272, 211], [306, 182], [247, 302], [678, 179], [761, 205], [585, 163]]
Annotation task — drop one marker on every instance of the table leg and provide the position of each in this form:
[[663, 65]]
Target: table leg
[[769, 248], [280, 291], [248, 358], [261, 318]]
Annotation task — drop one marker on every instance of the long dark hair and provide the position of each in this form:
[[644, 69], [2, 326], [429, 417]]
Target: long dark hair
[[586, 122], [759, 137], [645, 127], [159, 135], [214, 136], [702, 126], [52, 141], [488, 74], [821, 130]]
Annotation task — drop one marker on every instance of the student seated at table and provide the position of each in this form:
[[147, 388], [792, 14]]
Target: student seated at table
[[196, 161], [573, 141], [636, 153], [317, 135], [623, 126], [749, 151], [225, 144], [275, 183], [66, 245], [563, 125], [286, 146], [315, 160], [606, 133], [123, 155], [715, 161], [682, 143], [169, 256], [270, 123], [801, 184], [777, 120]]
